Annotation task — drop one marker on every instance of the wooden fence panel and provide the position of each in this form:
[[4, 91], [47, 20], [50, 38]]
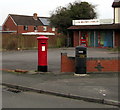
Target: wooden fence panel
[[14, 41]]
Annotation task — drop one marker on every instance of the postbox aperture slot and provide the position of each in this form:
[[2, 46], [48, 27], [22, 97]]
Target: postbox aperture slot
[[43, 43]]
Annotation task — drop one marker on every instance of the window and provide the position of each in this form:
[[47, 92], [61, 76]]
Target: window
[[35, 28], [26, 28], [53, 28], [44, 28]]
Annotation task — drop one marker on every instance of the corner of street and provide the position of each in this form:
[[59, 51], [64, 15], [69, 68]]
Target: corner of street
[[101, 88]]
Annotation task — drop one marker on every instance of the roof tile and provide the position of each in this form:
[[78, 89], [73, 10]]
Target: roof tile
[[95, 27], [116, 3], [26, 20]]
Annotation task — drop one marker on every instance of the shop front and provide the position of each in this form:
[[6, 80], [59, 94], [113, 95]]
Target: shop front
[[95, 38], [100, 39], [101, 36]]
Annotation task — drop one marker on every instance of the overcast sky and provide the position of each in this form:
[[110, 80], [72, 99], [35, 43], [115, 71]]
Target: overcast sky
[[44, 7]]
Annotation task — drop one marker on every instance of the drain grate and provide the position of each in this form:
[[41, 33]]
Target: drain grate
[[13, 90]]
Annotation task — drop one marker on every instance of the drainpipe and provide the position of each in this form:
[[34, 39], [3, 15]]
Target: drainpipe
[[94, 38], [113, 39], [67, 39], [79, 37], [17, 29]]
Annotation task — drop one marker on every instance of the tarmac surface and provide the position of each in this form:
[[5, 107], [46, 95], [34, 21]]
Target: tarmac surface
[[36, 100], [94, 86], [27, 59]]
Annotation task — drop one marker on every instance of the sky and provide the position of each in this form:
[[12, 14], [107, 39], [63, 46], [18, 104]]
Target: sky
[[44, 7]]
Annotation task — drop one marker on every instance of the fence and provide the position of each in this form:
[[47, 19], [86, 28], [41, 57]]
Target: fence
[[14, 41]]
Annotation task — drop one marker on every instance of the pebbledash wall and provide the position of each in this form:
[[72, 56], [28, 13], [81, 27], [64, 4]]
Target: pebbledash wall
[[93, 64]]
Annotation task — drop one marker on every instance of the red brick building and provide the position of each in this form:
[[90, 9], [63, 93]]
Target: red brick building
[[24, 24]]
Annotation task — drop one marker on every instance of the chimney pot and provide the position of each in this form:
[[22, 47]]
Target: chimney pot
[[35, 16]]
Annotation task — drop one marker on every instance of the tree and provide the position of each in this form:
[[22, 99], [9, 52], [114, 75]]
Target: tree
[[62, 17]]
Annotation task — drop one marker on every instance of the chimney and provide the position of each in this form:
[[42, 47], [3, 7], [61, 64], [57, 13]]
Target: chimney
[[35, 16]]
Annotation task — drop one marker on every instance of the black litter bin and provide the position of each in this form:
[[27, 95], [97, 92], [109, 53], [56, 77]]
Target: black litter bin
[[80, 60]]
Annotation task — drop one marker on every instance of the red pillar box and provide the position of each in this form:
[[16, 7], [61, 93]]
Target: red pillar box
[[42, 53]]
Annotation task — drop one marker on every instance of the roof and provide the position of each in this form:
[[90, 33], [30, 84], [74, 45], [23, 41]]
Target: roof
[[116, 3], [45, 21], [96, 27], [27, 20]]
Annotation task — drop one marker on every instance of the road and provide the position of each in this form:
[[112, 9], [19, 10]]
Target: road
[[27, 59], [35, 100]]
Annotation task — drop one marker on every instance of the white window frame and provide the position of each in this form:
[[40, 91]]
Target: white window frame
[[25, 27], [53, 28], [44, 28], [35, 28]]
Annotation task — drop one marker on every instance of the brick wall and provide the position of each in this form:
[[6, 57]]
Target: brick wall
[[93, 64], [67, 63], [117, 38], [9, 25], [76, 38], [31, 29], [102, 64]]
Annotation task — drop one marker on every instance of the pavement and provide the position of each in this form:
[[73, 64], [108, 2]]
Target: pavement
[[102, 88]]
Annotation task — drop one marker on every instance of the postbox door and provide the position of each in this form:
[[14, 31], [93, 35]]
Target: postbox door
[[42, 54]]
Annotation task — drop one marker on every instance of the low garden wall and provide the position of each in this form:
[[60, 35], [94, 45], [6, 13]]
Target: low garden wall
[[92, 64]]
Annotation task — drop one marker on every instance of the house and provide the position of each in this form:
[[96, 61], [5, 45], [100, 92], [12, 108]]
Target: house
[[22, 24], [8, 32], [96, 32]]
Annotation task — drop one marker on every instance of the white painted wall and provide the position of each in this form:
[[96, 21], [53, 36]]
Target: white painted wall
[[117, 15]]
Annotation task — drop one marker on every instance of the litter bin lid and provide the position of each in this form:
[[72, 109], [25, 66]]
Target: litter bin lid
[[80, 47]]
